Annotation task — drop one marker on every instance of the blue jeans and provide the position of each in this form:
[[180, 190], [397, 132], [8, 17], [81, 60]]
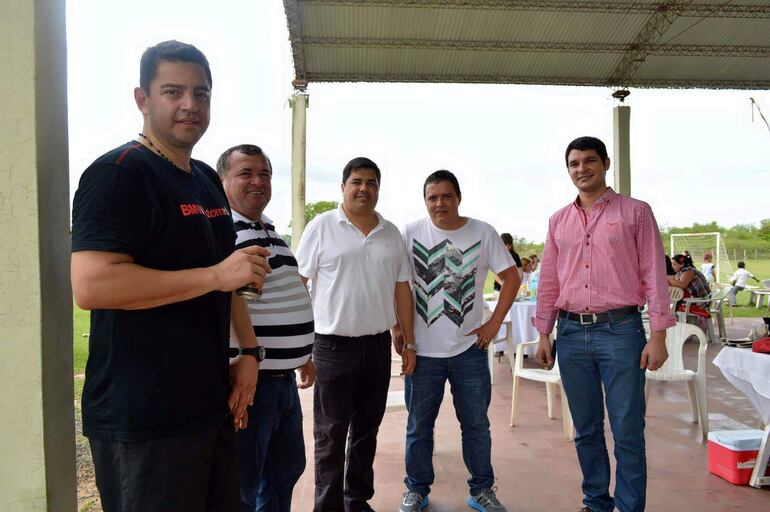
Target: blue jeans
[[734, 294], [468, 375], [606, 354], [271, 450]]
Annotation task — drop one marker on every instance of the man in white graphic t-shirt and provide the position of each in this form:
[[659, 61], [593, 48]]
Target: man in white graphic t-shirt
[[450, 256]]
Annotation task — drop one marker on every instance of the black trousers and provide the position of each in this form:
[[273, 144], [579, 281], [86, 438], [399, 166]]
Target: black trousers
[[351, 388], [191, 473]]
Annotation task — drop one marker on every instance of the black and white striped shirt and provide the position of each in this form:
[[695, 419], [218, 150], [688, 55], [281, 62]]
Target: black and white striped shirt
[[282, 317]]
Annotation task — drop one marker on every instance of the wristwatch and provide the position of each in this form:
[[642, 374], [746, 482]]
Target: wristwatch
[[258, 352], [410, 346]]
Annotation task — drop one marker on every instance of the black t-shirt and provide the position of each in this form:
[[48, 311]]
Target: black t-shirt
[[161, 371], [516, 261]]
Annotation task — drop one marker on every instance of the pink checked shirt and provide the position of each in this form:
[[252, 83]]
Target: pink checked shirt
[[610, 259]]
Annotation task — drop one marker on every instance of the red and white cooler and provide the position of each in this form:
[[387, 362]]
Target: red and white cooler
[[733, 453]]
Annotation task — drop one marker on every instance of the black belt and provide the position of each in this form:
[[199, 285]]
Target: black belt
[[275, 373], [613, 315]]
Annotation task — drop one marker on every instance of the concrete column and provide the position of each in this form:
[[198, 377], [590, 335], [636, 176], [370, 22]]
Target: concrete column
[[37, 432], [299, 104], [621, 165]]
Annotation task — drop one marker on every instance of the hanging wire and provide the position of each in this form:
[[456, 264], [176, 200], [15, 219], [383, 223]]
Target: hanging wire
[[755, 104]]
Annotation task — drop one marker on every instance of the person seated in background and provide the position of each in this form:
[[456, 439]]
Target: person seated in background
[[688, 278], [739, 280], [535, 261], [707, 268], [670, 272], [692, 282], [526, 269], [508, 242]]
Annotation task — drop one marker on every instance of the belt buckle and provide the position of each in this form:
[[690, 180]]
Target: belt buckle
[[591, 316]]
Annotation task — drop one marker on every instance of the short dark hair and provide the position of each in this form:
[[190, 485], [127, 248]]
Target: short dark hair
[[169, 51], [360, 162], [584, 144], [507, 238], [741, 264], [438, 177], [223, 163]]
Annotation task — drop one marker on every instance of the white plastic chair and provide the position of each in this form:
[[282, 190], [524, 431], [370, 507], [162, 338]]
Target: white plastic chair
[[714, 304], [551, 378], [491, 347], [673, 370]]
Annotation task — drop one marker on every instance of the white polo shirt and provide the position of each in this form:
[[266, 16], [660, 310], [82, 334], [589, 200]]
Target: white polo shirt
[[353, 276]]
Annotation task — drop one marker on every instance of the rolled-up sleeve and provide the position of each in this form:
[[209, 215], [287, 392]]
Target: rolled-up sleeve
[[652, 270], [548, 287]]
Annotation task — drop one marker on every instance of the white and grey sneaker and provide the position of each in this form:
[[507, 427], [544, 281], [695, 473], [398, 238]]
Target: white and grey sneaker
[[486, 501], [413, 502]]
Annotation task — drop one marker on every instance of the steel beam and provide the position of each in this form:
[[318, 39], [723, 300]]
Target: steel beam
[[535, 80], [535, 47], [758, 10]]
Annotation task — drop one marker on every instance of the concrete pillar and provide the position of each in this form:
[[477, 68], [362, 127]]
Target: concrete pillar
[[37, 428], [299, 104], [621, 165]]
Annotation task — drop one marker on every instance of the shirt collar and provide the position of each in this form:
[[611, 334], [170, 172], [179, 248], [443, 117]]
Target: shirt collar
[[606, 197], [237, 217], [341, 217]]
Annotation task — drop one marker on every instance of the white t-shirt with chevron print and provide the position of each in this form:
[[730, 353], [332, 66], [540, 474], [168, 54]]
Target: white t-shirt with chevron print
[[449, 269]]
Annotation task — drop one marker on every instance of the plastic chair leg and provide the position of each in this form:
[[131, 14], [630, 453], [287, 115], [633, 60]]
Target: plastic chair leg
[[701, 393], [646, 395], [550, 391], [514, 396], [568, 425], [693, 394], [491, 361]]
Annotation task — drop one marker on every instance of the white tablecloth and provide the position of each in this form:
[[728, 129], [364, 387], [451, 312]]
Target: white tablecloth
[[520, 315], [749, 372]]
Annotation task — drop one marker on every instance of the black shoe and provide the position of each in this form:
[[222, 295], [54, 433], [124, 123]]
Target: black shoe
[[585, 509]]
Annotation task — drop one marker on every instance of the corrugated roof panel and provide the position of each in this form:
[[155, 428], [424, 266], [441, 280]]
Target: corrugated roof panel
[[530, 45]]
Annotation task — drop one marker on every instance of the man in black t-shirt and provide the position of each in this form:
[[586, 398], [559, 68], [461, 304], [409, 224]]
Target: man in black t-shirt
[[153, 258]]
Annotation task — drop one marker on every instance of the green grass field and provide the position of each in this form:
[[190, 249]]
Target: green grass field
[[760, 268]]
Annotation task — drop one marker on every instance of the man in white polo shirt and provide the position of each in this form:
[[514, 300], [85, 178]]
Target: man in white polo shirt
[[360, 275]]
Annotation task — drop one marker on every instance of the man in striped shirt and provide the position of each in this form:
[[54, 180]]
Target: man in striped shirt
[[271, 450], [603, 260]]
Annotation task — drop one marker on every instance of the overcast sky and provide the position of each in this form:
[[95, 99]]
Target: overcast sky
[[696, 156]]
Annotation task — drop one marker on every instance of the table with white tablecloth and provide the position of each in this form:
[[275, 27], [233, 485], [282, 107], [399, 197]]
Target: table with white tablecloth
[[750, 372], [521, 314]]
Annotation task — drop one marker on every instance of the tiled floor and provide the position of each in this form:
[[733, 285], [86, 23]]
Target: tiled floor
[[537, 470]]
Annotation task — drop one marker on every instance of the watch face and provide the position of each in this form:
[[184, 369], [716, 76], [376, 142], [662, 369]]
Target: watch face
[[261, 353]]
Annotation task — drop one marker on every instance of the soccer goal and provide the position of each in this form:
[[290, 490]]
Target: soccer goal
[[699, 245]]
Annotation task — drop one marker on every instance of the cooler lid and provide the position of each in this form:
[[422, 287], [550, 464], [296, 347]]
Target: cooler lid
[[738, 439]]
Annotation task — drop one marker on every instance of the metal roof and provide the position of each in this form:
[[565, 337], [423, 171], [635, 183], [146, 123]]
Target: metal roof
[[719, 44]]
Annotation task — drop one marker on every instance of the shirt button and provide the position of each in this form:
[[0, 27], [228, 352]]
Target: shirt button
[[586, 266], [586, 286], [588, 243], [586, 308], [588, 236]]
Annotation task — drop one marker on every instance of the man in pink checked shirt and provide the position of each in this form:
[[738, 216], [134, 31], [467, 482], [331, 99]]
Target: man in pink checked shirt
[[603, 260]]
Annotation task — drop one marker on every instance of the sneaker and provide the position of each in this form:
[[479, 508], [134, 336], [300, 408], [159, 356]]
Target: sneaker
[[413, 502], [486, 501]]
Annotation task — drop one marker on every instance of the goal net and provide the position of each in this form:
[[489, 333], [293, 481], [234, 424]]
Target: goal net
[[699, 245]]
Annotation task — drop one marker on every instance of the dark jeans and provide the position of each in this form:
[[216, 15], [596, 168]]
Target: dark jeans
[[271, 450], [190, 473], [606, 354], [352, 378], [468, 375]]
